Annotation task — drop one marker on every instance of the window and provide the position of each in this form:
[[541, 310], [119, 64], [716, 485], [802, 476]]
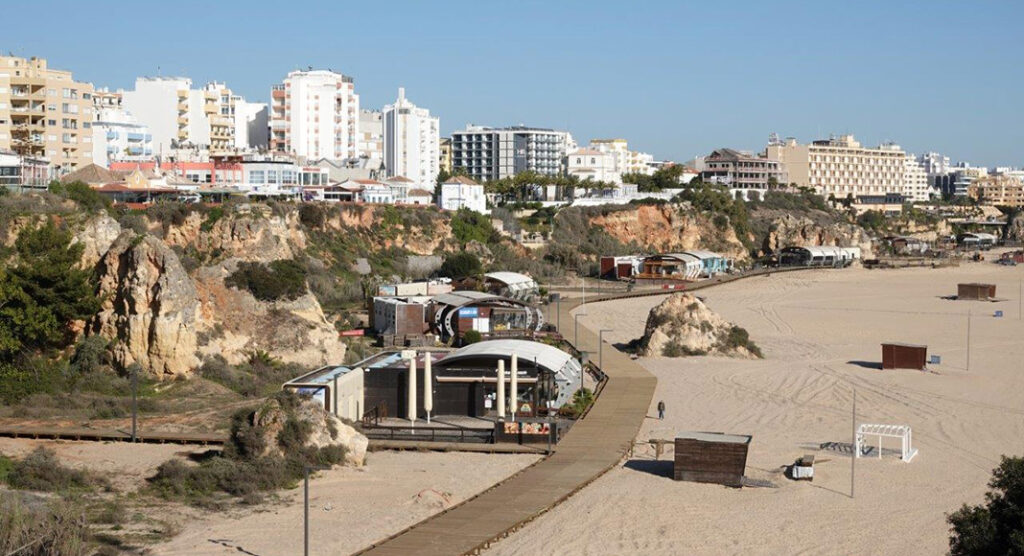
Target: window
[[271, 176], [256, 176], [51, 92], [51, 122], [66, 138], [66, 93], [51, 107]]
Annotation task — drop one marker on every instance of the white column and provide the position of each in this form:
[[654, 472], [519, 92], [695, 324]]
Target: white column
[[514, 390], [428, 386], [412, 389], [501, 389]]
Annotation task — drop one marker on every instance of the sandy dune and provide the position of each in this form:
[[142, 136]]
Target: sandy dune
[[820, 332]]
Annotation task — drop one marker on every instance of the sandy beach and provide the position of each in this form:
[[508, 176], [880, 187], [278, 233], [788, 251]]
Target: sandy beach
[[349, 508], [821, 333]]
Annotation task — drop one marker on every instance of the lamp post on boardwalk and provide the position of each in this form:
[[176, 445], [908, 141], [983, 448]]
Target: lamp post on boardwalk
[[600, 347]]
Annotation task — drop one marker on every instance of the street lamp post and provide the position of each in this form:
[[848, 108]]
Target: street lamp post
[[576, 330]]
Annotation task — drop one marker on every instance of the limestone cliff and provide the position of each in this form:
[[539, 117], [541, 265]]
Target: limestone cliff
[[96, 235], [150, 307], [669, 228], [683, 325], [247, 234], [801, 230]]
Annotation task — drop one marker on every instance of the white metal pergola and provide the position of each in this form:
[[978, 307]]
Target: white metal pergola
[[903, 432]]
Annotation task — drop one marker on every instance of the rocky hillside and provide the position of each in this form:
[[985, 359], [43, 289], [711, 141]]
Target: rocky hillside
[[783, 229], [668, 227], [682, 325]]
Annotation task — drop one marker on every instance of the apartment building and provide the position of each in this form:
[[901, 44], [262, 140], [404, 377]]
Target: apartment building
[[315, 114], [45, 113], [626, 161], [841, 166], [117, 136], [371, 135], [999, 190], [411, 141], [178, 115], [748, 176], [488, 153], [252, 125]]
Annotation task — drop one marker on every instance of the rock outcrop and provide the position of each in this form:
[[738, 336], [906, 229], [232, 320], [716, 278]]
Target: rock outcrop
[[150, 306], [683, 325], [790, 230], [668, 228], [324, 429], [234, 323], [96, 236], [250, 237]]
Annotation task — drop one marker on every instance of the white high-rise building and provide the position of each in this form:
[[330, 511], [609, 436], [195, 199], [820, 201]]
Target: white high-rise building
[[411, 141], [915, 180], [626, 161], [118, 136], [315, 114]]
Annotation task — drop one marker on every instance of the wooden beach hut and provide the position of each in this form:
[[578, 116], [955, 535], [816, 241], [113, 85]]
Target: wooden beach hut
[[976, 291], [904, 356], [711, 457]]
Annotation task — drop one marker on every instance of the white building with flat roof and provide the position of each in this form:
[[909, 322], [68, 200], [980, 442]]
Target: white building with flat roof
[[916, 188], [594, 165], [252, 125], [411, 141], [371, 135], [626, 161], [118, 136], [315, 114]]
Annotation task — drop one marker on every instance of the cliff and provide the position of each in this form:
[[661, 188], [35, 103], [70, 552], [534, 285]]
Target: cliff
[[683, 325], [784, 229], [668, 228]]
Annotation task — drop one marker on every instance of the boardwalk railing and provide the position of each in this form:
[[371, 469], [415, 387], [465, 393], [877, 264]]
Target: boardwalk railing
[[430, 434]]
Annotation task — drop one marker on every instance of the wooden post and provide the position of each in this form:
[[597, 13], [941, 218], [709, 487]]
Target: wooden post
[[853, 460]]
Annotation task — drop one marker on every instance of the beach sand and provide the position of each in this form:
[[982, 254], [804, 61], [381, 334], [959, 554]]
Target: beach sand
[[821, 333], [350, 508]]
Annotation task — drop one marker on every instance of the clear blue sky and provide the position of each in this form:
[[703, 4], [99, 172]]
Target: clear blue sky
[[675, 79]]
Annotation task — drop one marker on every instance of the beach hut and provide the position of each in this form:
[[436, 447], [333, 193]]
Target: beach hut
[[904, 356], [974, 290], [673, 266], [711, 457], [711, 263], [819, 255]]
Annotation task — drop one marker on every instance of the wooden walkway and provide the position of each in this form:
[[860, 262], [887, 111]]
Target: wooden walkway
[[593, 446], [111, 435]]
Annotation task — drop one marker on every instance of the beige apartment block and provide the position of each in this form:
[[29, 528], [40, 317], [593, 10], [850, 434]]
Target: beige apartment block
[[45, 113], [997, 190], [842, 166]]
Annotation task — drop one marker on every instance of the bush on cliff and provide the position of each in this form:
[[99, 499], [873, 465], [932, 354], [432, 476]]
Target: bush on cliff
[[281, 279]]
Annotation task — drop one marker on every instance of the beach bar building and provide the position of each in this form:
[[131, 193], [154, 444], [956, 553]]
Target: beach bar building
[[512, 285], [904, 356], [671, 266], [711, 457], [711, 263], [976, 291], [338, 388], [819, 255], [620, 268]]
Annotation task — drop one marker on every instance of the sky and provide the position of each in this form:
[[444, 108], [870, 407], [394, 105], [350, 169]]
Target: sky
[[677, 79]]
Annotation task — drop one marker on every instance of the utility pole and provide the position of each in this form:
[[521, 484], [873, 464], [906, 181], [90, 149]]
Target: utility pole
[[968, 339], [135, 402]]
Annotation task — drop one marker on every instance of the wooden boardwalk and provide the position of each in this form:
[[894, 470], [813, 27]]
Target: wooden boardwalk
[[593, 446]]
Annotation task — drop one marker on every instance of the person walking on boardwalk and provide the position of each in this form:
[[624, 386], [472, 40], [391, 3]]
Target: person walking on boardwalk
[[661, 409]]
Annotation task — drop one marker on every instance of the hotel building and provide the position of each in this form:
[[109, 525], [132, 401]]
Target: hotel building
[[841, 166], [488, 153], [178, 115]]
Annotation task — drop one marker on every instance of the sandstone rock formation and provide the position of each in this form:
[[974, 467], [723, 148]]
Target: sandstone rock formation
[[96, 236], [667, 228], [250, 237], [790, 230], [324, 429], [683, 325], [150, 307], [234, 323]]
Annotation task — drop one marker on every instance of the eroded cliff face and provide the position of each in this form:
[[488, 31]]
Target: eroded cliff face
[[422, 236], [247, 236], [150, 308], [96, 235], [669, 228], [795, 230], [235, 324]]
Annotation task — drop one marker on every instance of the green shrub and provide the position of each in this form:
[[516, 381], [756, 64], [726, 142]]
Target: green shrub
[[281, 279], [86, 197], [468, 225], [41, 470], [312, 215], [581, 400], [56, 528], [213, 214], [461, 265], [997, 526], [738, 337], [471, 337]]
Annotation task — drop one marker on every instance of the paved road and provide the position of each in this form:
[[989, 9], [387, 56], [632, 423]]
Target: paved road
[[593, 446]]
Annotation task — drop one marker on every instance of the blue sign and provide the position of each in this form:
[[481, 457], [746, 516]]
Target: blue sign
[[935, 360], [468, 312], [999, 313]]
